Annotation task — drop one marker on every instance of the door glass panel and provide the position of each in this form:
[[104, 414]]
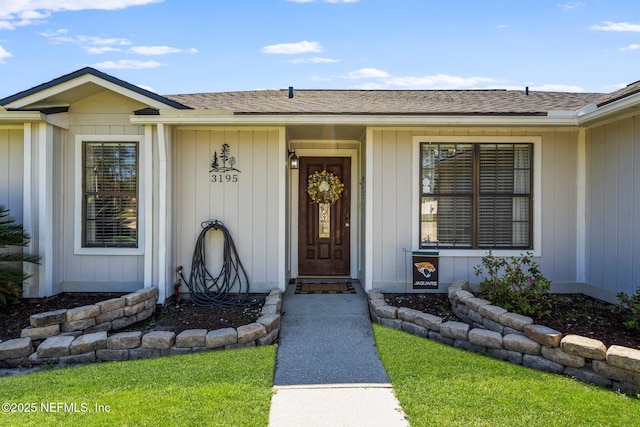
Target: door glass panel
[[324, 217]]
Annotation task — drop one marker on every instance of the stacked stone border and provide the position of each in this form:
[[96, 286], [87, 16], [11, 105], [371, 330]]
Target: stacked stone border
[[489, 329], [79, 335]]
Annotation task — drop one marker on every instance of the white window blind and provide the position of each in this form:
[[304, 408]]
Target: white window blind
[[476, 195], [110, 194]]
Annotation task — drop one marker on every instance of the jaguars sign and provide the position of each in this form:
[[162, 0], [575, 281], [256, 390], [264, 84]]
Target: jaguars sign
[[425, 270]]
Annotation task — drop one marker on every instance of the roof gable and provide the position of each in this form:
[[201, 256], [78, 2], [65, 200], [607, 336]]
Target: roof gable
[[80, 84]]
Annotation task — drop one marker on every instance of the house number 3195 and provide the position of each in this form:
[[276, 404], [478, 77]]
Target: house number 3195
[[228, 177], [223, 166]]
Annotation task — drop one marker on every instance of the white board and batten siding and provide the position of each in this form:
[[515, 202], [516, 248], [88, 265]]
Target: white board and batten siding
[[11, 170], [103, 115], [613, 205], [248, 201], [394, 157]]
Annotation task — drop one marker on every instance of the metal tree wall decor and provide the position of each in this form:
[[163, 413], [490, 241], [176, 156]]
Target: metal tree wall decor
[[324, 187], [223, 166]]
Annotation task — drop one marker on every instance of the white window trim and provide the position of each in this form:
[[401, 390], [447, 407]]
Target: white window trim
[[78, 249], [537, 191]]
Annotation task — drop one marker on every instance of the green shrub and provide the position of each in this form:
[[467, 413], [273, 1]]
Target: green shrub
[[11, 273], [515, 284], [628, 306]]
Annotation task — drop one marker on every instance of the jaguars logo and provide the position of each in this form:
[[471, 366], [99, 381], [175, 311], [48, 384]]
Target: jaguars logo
[[426, 268]]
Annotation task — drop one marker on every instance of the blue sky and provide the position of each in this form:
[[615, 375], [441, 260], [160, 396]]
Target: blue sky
[[187, 46]]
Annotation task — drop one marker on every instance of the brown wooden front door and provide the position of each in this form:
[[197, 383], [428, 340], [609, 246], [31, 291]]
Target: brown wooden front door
[[324, 246]]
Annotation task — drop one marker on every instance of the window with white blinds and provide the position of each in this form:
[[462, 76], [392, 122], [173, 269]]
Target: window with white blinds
[[110, 194], [476, 196]]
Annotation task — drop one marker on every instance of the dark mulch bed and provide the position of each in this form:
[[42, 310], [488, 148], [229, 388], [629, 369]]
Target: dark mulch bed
[[571, 314], [170, 317], [187, 315]]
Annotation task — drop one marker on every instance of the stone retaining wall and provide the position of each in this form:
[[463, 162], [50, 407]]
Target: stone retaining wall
[[79, 335], [492, 330]]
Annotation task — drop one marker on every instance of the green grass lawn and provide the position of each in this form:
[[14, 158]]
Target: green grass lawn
[[223, 388], [438, 385]]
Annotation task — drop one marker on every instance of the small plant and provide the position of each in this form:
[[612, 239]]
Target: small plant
[[628, 306], [515, 283], [11, 274]]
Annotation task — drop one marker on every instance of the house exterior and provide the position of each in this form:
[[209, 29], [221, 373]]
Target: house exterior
[[114, 182]]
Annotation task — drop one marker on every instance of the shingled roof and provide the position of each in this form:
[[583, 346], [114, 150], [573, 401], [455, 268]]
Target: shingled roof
[[622, 93], [389, 102]]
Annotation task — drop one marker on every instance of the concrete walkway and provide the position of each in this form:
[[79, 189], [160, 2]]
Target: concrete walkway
[[328, 372]]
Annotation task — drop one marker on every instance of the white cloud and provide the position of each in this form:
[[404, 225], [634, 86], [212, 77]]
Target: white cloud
[[615, 87], [325, 1], [632, 46], [62, 36], [367, 73], [158, 50], [616, 26], [4, 55], [145, 87], [556, 88], [439, 81], [570, 5], [316, 78], [383, 80], [314, 60], [14, 13], [99, 50], [99, 41], [127, 64], [502, 26], [292, 48], [153, 50]]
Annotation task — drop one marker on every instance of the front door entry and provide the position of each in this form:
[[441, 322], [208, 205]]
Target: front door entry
[[324, 229]]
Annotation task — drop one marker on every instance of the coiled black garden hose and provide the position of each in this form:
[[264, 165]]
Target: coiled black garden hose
[[231, 287]]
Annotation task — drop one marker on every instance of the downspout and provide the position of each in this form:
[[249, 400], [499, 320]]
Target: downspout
[[45, 209], [28, 219], [147, 189], [368, 213], [162, 214], [581, 207]]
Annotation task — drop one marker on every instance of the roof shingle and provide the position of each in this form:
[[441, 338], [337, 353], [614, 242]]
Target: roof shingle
[[389, 102]]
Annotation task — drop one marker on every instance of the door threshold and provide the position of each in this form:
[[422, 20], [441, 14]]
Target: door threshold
[[322, 279]]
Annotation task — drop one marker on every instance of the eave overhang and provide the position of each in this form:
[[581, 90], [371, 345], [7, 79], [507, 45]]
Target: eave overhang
[[217, 118], [20, 117], [619, 107]]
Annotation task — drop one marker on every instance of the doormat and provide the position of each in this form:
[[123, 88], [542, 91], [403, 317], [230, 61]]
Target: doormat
[[324, 288]]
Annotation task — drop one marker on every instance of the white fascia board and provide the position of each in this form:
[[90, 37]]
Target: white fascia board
[[87, 78], [201, 117], [609, 109], [21, 116]]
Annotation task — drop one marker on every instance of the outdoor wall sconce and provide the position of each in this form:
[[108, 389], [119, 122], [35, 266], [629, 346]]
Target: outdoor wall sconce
[[294, 162]]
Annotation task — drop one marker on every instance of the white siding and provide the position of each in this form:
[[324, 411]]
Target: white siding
[[613, 205], [11, 170], [249, 208], [104, 114], [393, 159]]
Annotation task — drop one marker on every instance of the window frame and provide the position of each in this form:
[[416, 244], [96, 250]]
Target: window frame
[[79, 226], [536, 210]]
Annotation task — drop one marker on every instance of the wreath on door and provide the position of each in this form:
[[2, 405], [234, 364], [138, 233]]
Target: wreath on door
[[324, 187]]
